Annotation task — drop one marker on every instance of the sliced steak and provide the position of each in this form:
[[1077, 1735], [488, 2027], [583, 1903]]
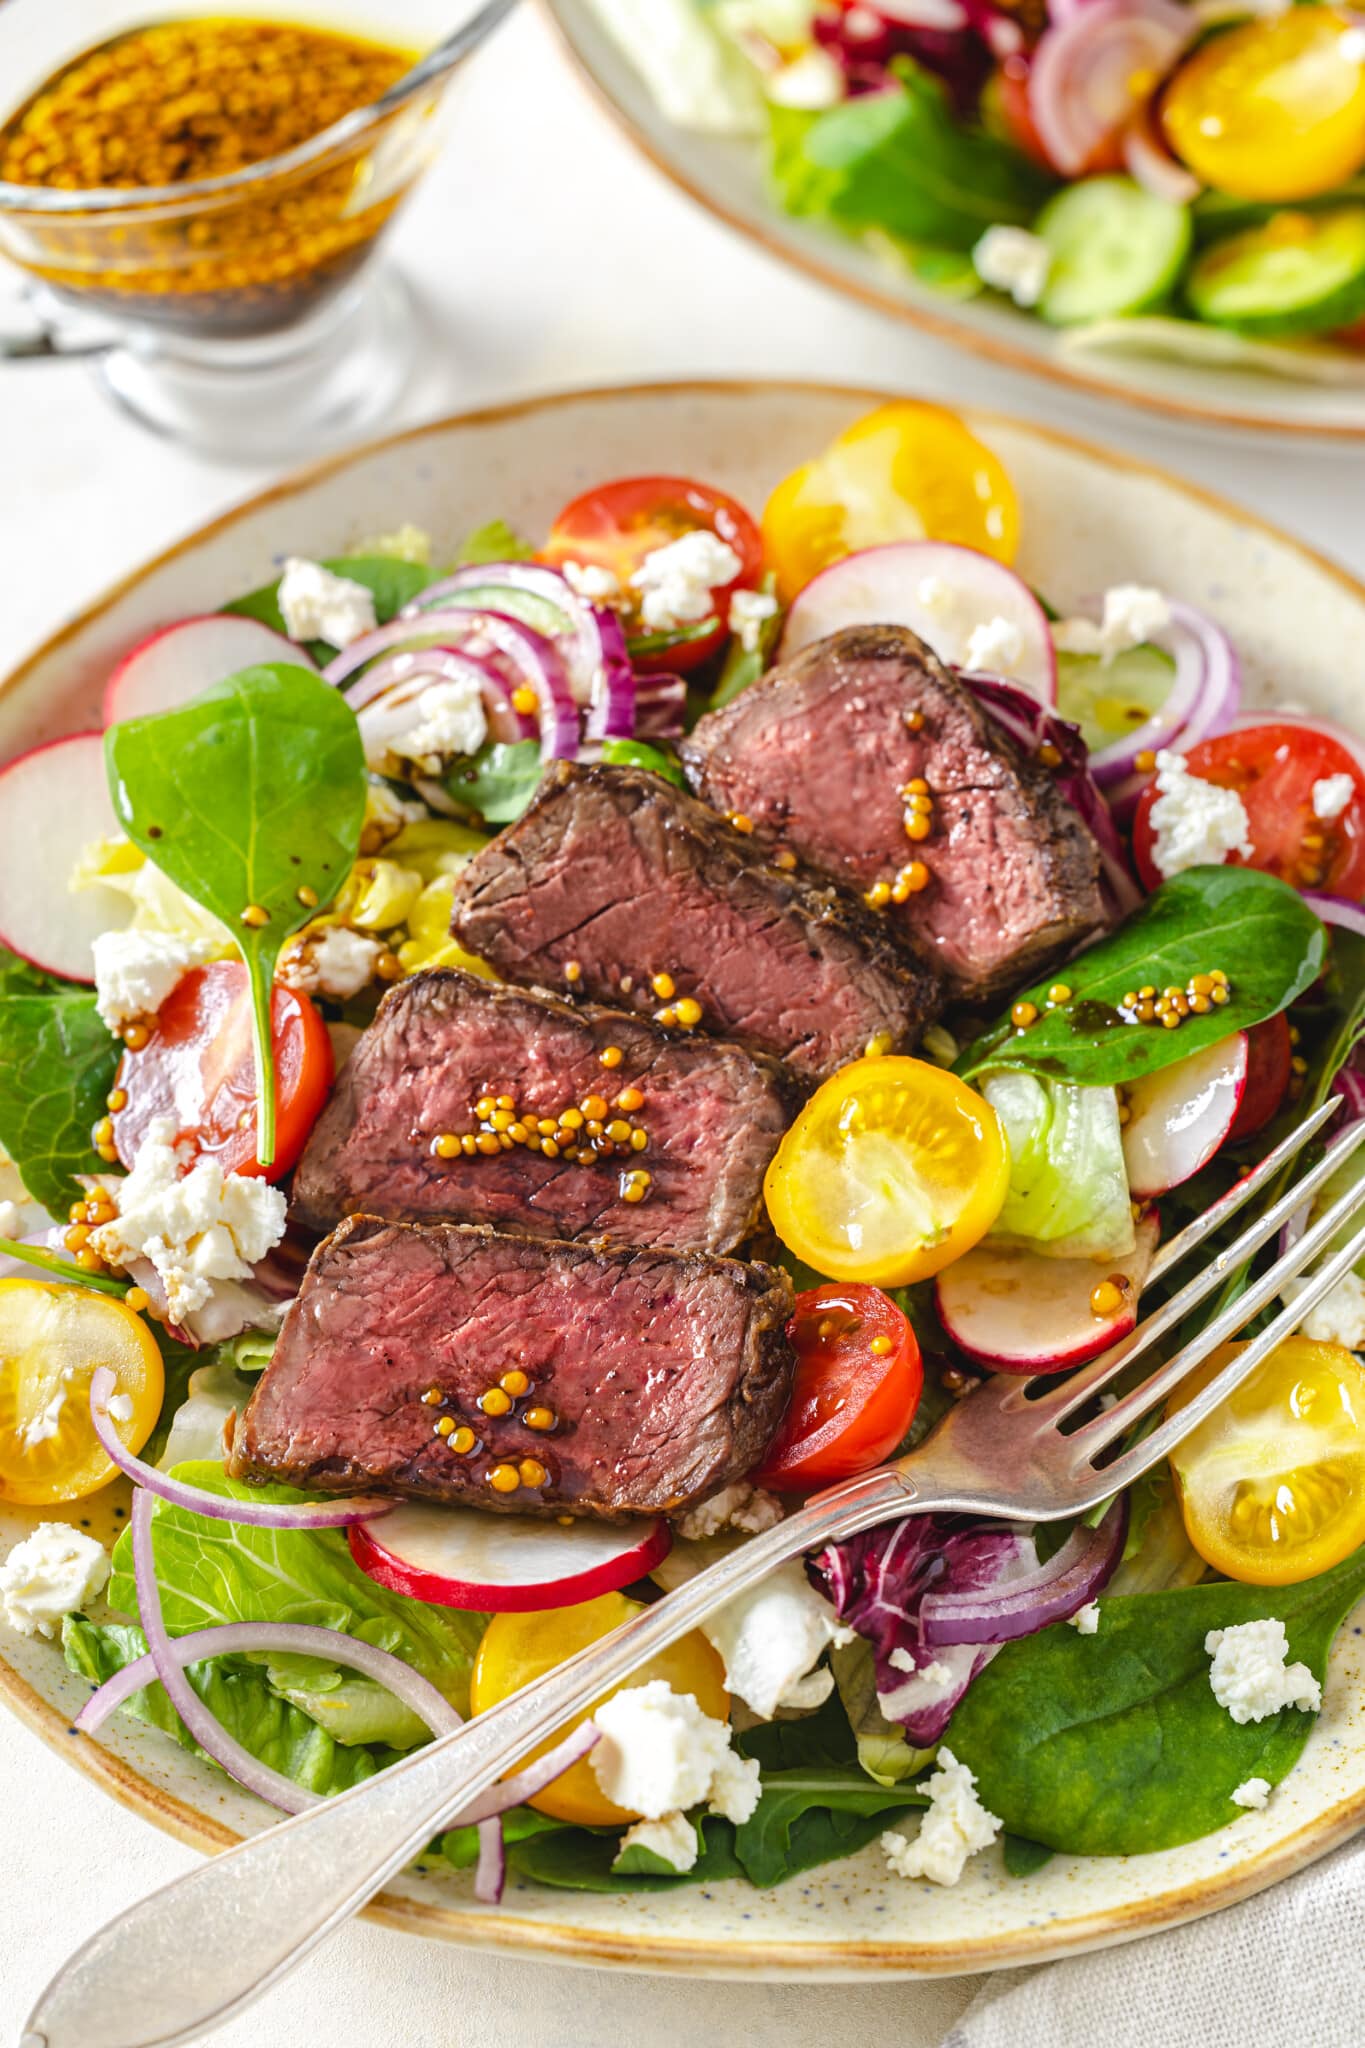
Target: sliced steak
[[449, 1056], [614, 878], [665, 1373], [819, 753]]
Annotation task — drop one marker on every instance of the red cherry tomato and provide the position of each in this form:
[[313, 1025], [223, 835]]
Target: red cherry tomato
[[1269, 1051], [858, 1381], [1273, 769], [1011, 97], [197, 1068], [618, 524]]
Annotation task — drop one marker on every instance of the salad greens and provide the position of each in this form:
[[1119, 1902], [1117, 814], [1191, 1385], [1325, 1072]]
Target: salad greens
[[58, 1062], [288, 745], [499, 781], [1068, 1190]]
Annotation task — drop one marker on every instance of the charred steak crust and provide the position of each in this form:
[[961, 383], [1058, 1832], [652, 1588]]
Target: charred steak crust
[[666, 1372], [817, 754], [712, 1115], [614, 877]]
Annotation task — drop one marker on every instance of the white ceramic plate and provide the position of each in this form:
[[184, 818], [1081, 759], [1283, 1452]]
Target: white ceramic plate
[[726, 176], [1090, 518]]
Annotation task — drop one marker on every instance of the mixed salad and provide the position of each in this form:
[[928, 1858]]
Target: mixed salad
[[291, 789], [1182, 177]]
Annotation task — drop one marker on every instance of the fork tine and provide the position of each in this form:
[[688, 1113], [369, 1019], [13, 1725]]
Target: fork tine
[[1077, 1390], [1241, 1191], [1106, 1428], [1169, 1433]]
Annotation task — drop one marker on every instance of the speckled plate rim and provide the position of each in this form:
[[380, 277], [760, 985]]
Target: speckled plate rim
[[942, 326], [764, 1957]]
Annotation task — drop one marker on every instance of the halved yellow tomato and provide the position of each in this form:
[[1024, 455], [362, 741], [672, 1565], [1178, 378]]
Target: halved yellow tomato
[[519, 1648], [1274, 109], [52, 1338], [907, 471], [893, 1169], [1272, 1485]]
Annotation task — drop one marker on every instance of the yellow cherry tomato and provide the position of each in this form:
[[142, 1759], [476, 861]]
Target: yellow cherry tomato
[[52, 1338], [893, 1169], [519, 1648], [904, 472], [1272, 1485], [1274, 109]]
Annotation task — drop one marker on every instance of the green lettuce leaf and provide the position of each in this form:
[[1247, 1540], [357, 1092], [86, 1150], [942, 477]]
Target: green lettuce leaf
[[1068, 1192]]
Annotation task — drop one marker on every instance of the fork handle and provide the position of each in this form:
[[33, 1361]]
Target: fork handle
[[185, 1960]]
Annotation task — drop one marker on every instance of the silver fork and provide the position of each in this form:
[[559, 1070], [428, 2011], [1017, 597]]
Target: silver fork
[[184, 1961]]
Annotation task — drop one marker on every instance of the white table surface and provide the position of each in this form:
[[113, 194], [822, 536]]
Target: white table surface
[[545, 253]]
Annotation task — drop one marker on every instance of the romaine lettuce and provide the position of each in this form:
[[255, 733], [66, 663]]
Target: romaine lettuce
[[1068, 1193]]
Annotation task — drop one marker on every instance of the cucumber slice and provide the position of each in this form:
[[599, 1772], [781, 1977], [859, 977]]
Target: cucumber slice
[[532, 610], [1109, 700], [1116, 249], [1302, 273]]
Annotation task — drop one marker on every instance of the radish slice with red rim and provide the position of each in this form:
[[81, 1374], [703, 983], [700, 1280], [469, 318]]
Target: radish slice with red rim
[[505, 1564], [1178, 1117], [176, 662], [50, 800], [1013, 1310]]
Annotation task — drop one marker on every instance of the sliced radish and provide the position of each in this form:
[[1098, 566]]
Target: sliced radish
[[176, 662], [1179, 1117], [51, 801], [504, 1564], [951, 596], [1016, 1311]]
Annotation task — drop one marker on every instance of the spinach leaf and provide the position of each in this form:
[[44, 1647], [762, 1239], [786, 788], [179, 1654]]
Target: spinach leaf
[[495, 542], [245, 796], [668, 637], [584, 1860], [884, 1752], [810, 1816], [1257, 929], [639, 754], [499, 781], [392, 583], [59, 1062], [460, 1846], [744, 665], [1113, 1744], [1023, 1857]]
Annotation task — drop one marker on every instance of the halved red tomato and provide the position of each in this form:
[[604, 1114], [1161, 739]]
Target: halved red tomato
[[858, 1383], [1269, 1052], [197, 1068], [616, 525], [1274, 768]]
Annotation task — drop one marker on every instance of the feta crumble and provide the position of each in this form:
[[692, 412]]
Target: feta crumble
[[330, 960], [55, 1571], [1013, 261], [1339, 1317], [136, 971], [995, 645], [675, 582], [1332, 794], [1132, 614], [934, 1673], [1253, 1792], [1194, 823], [591, 581], [659, 1753], [955, 1826], [430, 726], [1086, 1620], [195, 1227], [10, 1220], [672, 1838], [316, 605], [1250, 1675], [740, 1506], [750, 611], [811, 82], [120, 1407], [43, 1426], [771, 1640]]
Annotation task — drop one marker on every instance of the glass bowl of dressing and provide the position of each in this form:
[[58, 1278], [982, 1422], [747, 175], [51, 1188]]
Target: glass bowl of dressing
[[194, 199]]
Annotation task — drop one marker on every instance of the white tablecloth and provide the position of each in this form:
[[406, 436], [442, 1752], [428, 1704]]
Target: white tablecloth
[[544, 253]]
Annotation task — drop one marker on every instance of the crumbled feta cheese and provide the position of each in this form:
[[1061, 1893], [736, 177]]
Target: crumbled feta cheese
[[316, 605], [659, 1753], [591, 581], [673, 1839], [1254, 1792], [933, 1673], [195, 1227], [996, 644], [770, 1641], [10, 1220], [740, 1506], [1194, 823], [330, 960], [1332, 794], [1086, 1620], [675, 582], [121, 1407], [750, 611], [812, 82], [1339, 1317], [447, 719], [955, 1826], [1013, 261], [1132, 614], [136, 971], [1250, 1675], [53, 1572]]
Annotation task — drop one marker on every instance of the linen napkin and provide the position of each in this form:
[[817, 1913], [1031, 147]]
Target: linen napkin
[[1286, 1969]]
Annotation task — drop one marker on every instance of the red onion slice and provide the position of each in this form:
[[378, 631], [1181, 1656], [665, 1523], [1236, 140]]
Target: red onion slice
[[325, 1514], [593, 648], [660, 704], [1147, 159], [1081, 84], [1338, 910], [1019, 1607], [401, 677]]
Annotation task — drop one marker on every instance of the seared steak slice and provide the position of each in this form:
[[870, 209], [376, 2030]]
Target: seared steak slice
[[819, 754], [614, 878], [444, 1043], [665, 1373]]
